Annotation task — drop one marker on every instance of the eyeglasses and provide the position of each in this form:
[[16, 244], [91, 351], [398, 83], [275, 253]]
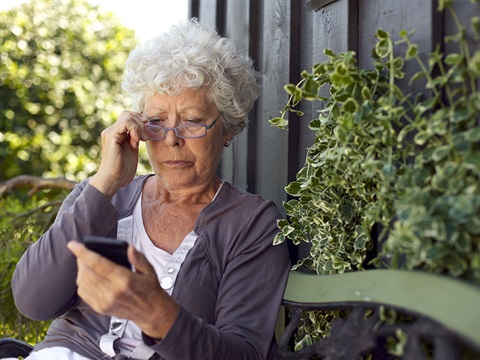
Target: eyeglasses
[[185, 131]]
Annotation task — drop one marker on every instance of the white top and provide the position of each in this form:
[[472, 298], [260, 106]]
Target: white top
[[166, 266]]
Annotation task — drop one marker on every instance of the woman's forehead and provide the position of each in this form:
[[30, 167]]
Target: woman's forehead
[[189, 100]]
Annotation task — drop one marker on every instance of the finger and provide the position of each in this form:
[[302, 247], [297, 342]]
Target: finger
[[130, 126], [139, 262], [135, 125], [134, 137], [76, 248]]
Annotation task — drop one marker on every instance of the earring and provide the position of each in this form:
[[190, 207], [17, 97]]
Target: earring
[[227, 143]]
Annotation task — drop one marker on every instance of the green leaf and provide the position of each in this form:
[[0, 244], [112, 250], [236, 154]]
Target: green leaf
[[398, 63], [281, 223], [351, 105], [445, 4], [279, 122], [455, 264], [421, 138], [416, 76], [305, 74], [473, 225], [412, 52], [311, 87], [293, 188], [382, 34], [473, 135], [360, 242], [291, 89], [453, 59], [383, 48], [278, 239], [315, 125], [366, 93], [440, 153], [474, 64], [329, 53], [459, 114], [297, 112], [475, 24]]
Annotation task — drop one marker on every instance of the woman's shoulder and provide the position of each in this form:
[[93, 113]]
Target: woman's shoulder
[[230, 192], [126, 198], [239, 205]]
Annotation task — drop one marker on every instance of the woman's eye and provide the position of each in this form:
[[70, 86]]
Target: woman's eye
[[192, 121], [155, 121]]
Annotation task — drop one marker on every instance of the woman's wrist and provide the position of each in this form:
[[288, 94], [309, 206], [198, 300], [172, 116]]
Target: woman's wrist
[[157, 329], [105, 187]]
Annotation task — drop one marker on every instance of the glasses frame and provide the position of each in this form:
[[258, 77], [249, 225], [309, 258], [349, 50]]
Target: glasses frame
[[175, 129]]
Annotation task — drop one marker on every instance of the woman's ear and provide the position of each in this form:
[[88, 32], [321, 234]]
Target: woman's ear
[[228, 140]]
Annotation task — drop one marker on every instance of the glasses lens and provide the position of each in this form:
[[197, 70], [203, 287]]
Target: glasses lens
[[191, 131], [155, 132]]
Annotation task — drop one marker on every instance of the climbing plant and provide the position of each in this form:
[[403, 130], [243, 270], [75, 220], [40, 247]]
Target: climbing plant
[[407, 164]]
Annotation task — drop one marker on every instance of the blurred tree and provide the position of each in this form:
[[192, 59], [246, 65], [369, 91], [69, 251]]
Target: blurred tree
[[61, 63]]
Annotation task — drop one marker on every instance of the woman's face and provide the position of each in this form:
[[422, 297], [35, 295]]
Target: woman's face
[[185, 162]]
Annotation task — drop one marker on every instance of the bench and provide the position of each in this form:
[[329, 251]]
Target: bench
[[442, 311]]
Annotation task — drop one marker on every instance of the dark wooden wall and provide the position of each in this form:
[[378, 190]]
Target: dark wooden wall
[[286, 36]]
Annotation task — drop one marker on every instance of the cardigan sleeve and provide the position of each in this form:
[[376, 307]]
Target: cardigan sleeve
[[43, 283]]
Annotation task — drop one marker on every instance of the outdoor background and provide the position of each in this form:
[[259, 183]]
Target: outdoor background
[[61, 65]]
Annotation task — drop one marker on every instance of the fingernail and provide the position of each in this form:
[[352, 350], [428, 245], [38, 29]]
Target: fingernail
[[73, 245]]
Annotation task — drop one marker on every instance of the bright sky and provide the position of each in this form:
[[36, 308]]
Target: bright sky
[[146, 17]]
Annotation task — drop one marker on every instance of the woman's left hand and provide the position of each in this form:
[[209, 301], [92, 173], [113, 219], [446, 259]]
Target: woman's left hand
[[111, 289]]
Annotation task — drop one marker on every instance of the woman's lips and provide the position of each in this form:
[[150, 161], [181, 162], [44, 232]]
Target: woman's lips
[[177, 163]]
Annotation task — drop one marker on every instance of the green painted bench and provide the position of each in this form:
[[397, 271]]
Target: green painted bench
[[443, 312]]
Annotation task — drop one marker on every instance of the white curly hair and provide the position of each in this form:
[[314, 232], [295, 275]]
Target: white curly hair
[[191, 55]]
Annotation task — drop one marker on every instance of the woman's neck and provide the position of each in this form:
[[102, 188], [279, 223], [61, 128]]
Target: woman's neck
[[158, 191]]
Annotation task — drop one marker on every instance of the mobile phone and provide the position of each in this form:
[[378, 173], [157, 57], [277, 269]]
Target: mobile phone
[[113, 249]]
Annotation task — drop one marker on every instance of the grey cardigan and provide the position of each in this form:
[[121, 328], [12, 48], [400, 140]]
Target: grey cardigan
[[229, 288]]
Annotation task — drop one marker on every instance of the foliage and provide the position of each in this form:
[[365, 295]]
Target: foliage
[[338, 192], [21, 223], [408, 164], [60, 77], [61, 63], [437, 197], [364, 169]]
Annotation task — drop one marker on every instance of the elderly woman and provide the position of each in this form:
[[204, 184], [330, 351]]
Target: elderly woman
[[207, 281]]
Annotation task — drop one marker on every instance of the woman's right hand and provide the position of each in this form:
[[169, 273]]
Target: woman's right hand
[[120, 143]]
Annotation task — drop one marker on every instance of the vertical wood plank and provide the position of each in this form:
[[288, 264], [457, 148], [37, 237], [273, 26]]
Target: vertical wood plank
[[193, 8], [294, 77], [255, 29], [234, 166], [271, 167], [394, 16], [334, 27], [284, 31], [305, 136], [331, 29], [465, 10], [208, 12]]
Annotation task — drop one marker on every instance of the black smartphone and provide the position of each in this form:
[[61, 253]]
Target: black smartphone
[[113, 249]]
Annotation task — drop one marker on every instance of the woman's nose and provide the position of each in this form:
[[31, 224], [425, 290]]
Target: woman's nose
[[171, 138]]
